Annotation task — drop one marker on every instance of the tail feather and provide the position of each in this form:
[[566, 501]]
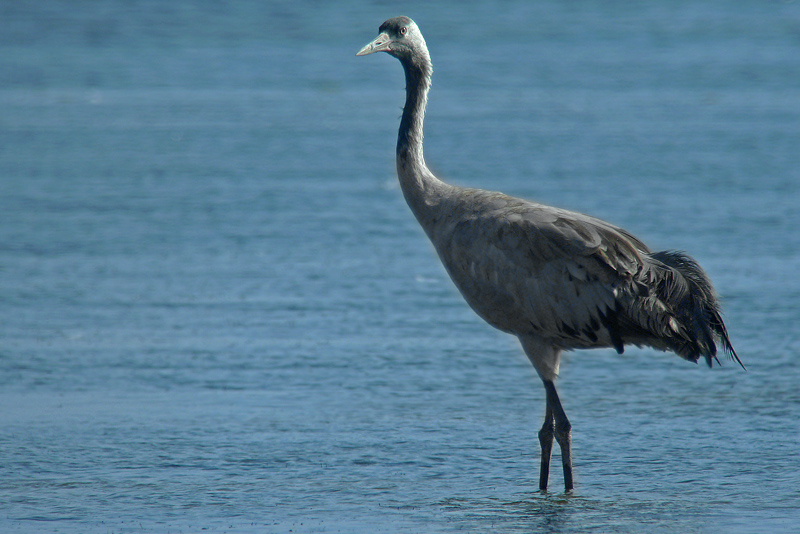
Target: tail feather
[[687, 292]]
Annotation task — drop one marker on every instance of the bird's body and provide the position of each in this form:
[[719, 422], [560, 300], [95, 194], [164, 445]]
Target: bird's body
[[556, 279]]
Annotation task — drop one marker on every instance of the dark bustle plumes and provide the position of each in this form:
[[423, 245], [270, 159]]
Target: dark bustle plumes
[[696, 306]]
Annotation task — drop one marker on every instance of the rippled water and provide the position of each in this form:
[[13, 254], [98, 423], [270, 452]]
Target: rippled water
[[216, 312]]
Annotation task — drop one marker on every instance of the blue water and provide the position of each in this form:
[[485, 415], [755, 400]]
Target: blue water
[[217, 313]]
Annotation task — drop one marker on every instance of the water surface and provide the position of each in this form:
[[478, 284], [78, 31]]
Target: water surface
[[217, 313]]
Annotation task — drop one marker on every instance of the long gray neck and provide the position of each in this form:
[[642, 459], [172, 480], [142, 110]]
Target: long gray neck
[[409, 138], [421, 188]]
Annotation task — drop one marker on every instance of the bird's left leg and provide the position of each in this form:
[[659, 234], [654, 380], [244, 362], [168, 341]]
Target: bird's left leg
[[563, 431], [546, 441]]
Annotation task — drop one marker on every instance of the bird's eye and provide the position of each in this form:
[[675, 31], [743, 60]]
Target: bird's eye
[[403, 30]]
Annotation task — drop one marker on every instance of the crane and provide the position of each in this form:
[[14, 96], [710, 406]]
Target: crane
[[558, 280]]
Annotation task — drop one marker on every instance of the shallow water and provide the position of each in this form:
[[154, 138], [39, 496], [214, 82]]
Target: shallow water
[[217, 312]]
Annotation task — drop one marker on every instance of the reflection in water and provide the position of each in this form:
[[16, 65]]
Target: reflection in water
[[561, 513]]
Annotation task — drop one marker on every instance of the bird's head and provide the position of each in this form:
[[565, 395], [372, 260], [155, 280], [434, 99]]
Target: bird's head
[[399, 37]]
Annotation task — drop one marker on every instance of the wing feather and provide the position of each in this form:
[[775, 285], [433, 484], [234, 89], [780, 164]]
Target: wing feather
[[573, 280], [524, 267]]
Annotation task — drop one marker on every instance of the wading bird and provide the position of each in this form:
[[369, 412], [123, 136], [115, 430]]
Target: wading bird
[[556, 279]]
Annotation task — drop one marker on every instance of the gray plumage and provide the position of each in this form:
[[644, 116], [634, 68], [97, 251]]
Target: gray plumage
[[556, 279]]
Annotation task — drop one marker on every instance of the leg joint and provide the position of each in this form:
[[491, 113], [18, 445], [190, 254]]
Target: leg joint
[[546, 434], [563, 427]]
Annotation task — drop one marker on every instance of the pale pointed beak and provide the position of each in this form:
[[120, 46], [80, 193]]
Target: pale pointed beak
[[380, 44]]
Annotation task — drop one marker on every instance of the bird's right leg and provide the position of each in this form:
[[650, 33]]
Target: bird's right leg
[[545, 358], [546, 441], [562, 430]]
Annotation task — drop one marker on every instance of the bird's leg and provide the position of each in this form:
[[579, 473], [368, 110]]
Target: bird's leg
[[546, 441], [562, 431]]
